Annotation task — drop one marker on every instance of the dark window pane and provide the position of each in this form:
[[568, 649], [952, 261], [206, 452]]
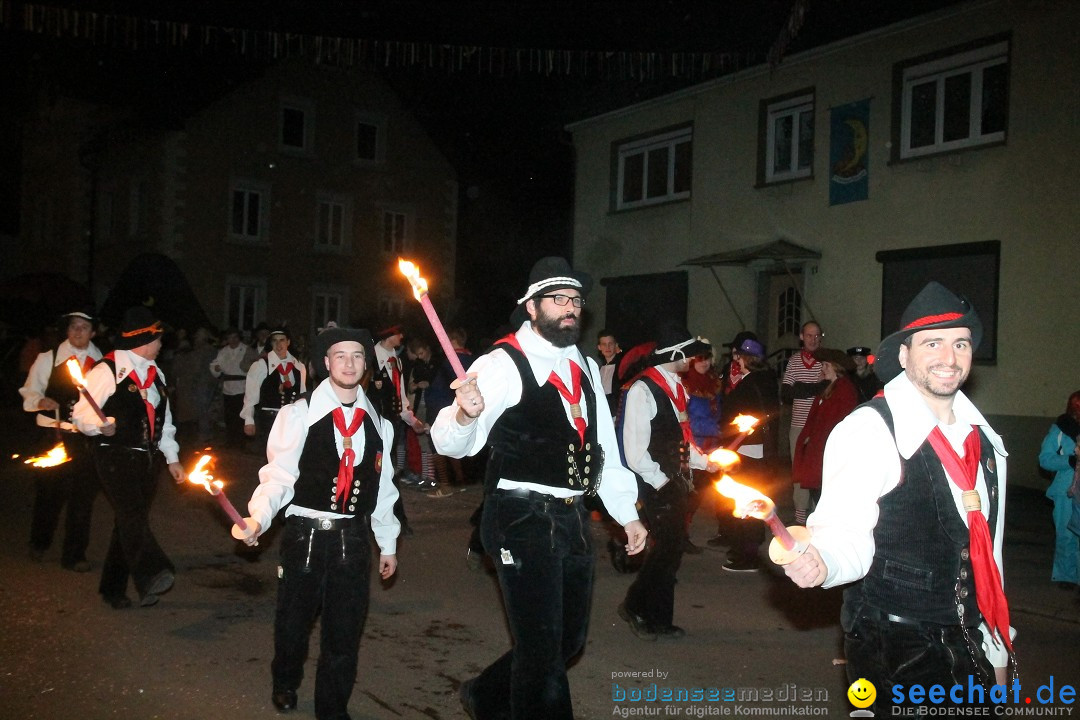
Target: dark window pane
[[658, 173], [253, 214], [292, 127], [923, 104], [957, 108], [782, 144], [995, 98], [238, 198], [324, 223], [633, 174], [683, 165], [806, 139], [366, 141]]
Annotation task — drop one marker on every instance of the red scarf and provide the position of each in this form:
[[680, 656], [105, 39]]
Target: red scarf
[[87, 363], [348, 457], [151, 374], [808, 359], [285, 370], [963, 471], [572, 396], [678, 399], [395, 374]]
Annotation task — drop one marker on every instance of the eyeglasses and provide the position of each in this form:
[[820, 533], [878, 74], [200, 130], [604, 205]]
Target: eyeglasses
[[563, 299]]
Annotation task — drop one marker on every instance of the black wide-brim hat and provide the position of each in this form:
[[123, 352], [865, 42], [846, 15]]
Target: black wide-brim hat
[[548, 275], [934, 307], [332, 336], [676, 343], [139, 327]]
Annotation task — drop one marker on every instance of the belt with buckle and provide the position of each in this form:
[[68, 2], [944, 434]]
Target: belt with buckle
[[533, 495], [324, 523]]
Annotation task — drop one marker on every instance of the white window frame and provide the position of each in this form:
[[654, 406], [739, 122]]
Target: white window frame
[[250, 187], [408, 221], [792, 108], [643, 147], [971, 62], [337, 293], [379, 123], [253, 287], [344, 207], [307, 107]]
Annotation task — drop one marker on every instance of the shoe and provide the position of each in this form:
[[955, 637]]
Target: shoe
[[284, 700], [671, 632], [741, 566], [718, 541], [474, 560], [117, 602], [161, 583], [148, 600], [37, 554], [690, 548], [637, 623], [79, 566], [465, 695], [441, 492]]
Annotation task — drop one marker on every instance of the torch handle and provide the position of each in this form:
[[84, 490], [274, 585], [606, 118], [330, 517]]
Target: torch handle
[[230, 510], [93, 405], [444, 339]]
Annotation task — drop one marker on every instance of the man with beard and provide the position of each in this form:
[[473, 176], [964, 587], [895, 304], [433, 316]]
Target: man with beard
[[326, 467], [926, 604], [539, 405]]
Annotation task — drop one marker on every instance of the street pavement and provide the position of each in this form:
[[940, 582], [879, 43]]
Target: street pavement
[[204, 651]]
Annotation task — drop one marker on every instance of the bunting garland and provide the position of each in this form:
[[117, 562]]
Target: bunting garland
[[127, 32]]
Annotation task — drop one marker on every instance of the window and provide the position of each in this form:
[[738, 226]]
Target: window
[[296, 118], [654, 169], [788, 312], [327, 306], [370, 133], [245, 299], [137, 220], [248, 212], [391, 308], [787, 138], [954, 101], [331, 222], [395, 231]]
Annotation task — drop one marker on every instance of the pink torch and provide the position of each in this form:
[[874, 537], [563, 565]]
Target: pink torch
[[80, 382], [200, 476], [420, 291]]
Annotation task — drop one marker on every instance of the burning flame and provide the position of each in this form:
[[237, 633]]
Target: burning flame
[[748, 501], [412, 273], [76, 372], [723, 457], [55, 456], [745, 423], [200, 476]]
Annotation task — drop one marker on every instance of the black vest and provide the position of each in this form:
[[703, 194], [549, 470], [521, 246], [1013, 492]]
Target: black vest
[[316, 486], [666, 443], [273, 394], [385, 397], [534, 442], [62, 389], [922, 562], [127, 406]]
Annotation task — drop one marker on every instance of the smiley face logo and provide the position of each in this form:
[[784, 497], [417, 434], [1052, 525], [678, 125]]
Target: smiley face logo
[[862, 693]]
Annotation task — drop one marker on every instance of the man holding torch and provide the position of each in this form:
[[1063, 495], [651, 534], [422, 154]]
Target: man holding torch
[[125, 410], [912, 513], [539, 405], [51, 393], [327, 466]]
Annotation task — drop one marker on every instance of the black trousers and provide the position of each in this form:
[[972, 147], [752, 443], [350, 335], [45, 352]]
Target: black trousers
[[74, 485], [325, 571], [652, 594], [231, 405], [543, 556], [129, 479], [890, 654]]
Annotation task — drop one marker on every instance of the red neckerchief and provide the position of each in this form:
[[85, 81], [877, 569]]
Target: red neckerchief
[[808, 359], [285, 370], [963, 471], [572, 396], [678, 399], [151, 373], [348, 457], [735, 374], [87, 363], [395, 373]]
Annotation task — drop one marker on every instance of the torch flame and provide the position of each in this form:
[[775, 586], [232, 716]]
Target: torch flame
[[76, 372], [745, 423], [412, 273], [55, 456], [723, 457], [748, 501], [200, 476]]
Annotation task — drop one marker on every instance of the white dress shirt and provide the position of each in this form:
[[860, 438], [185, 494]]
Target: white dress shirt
[[862, 463], [499, 382], [230, 361], [37, 380], [277, 479], [258, 372]]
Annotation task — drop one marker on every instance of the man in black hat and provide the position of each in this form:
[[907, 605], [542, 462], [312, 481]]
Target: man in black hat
[[129, 388], [273, 381], [658, 446], [927, 604], [539, 405], [327, 468], [51, 393], [865, 379]]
